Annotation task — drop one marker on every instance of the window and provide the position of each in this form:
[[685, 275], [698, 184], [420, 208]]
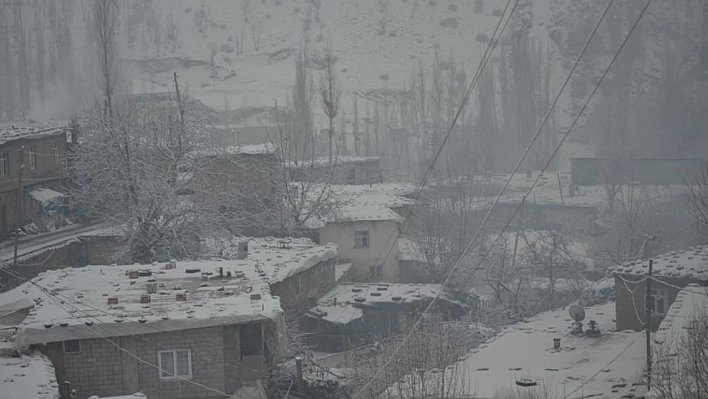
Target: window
[[55, 152], [361, 239], [175, 363], [4, 164], [72, 346], [251, 342], [658, 301], [32, 156]]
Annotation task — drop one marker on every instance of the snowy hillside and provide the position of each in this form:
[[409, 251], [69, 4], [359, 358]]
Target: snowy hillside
[[378, 44]]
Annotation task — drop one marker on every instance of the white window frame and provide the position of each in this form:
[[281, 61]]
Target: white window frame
[[32, 157], [656, 294], [163, 373], [4, 163], [359, 241], [70, 352]]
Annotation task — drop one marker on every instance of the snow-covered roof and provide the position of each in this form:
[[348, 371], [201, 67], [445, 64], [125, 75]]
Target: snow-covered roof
[[690, 263], [351, 298], [45, 196], [341, 270], [74, 302], [338, 161], [104, 301], [691, 301], [548, 190], [30, 130], [28, 377], [366, 202], [277, 258], [137, 395], [524, 351], [690, 305], [251, 149]]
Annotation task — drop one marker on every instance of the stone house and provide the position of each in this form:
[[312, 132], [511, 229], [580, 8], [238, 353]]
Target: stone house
[[44, 156], [672, 272]]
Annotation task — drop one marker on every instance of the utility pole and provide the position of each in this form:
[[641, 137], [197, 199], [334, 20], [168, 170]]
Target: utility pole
[[300, 382], [647, 316], [20, 200]]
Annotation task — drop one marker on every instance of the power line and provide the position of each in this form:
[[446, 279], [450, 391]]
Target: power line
[[491, 46], [599, 82]]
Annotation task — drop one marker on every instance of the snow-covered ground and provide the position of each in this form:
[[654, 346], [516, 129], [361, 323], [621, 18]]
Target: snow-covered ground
[[27, 377], [607, 366]]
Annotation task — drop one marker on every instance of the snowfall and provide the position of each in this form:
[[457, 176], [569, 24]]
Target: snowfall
[[607, 366]]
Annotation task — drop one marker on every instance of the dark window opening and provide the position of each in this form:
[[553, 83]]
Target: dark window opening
[[251, 340], [72, 346]]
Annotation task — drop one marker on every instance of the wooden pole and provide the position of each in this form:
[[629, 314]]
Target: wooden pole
[[20, 201], [300, 382], [647, 316]]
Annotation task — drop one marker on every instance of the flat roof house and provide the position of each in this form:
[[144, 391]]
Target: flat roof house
[[199, 329], [671, 273]]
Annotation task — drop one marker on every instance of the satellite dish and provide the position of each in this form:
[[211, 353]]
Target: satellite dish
[[576, 312], [312, 293]]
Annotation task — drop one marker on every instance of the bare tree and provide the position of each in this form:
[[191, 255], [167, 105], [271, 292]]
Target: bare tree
[[681, 361], [144, 170], [330, 92], [104, 18]]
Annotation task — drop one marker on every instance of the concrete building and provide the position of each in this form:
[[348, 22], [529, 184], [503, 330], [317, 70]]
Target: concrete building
[[43, 148], [366, 228], [672, 272], [202, 329]]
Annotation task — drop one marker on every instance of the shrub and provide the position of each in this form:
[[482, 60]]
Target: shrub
[[188, 10], [496, 12], [481, 37], [452, 7]]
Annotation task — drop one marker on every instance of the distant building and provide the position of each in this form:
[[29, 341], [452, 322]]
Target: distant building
[[344, 170], [672, 272], [44, 156], [593, 171]]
